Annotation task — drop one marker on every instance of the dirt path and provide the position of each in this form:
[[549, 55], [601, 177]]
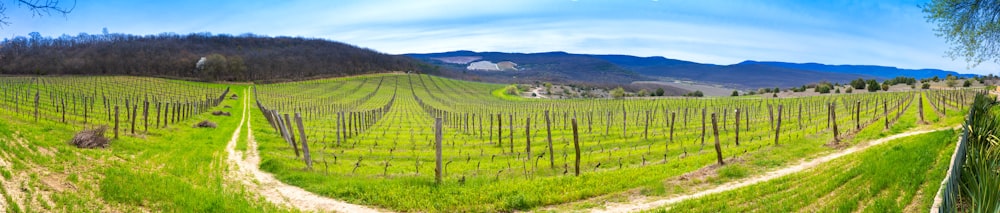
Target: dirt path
[[642, 204], [246, 169], [538, 93]]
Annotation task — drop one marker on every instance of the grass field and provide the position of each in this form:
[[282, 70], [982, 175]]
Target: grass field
[[372, 142]]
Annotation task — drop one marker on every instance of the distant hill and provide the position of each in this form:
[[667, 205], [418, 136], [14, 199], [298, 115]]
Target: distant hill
[[175, 56], [877, 71], [557, 67]]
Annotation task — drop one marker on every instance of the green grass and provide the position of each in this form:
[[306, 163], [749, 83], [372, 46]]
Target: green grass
[[899, 175], [390, 163]]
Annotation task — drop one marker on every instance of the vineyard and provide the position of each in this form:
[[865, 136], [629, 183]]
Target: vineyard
[[422, 143]]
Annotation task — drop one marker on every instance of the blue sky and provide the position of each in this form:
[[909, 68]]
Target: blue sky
[[889, 33]]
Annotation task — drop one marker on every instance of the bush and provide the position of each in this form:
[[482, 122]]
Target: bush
[[618, 93], [91, 138], [218, 113], [925, 86], [967, 83], [735, 93], [849, 90]]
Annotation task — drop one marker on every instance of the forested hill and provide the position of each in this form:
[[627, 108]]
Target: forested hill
[[229, 58]]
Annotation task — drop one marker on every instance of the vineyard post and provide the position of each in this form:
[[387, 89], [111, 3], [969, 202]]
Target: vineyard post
[[166, 114], [116, 122], [857, 116], [527, 138], [777, 128], [576, 146], [770, 111], [510, 124], [36, 106], [63, 110], [833, 116], [145, 115], [548, 131], [135, 107], [340, 120], [437, 150], [645, 131], [738, 126], [672, 116], [702, 129], [920, 108], [85, 112], [624, 122], [291, 135], [718, 148], [305, 145], [800, 115], [500, 131], [885, 113]]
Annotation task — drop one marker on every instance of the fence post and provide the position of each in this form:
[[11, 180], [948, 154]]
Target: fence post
[[302, 136], [576, 146], [715, 131], [437, 150], [738, 124], [548, 130], [116, 122], [291, 135], [777, 128]]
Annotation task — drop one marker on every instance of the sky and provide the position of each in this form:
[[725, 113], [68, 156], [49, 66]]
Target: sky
[[887, 33]]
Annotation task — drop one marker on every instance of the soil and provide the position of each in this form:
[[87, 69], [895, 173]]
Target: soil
[[245, 168]]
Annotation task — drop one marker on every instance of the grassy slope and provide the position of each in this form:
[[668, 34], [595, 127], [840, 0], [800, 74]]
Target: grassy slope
[[178, 169], [892, 177]]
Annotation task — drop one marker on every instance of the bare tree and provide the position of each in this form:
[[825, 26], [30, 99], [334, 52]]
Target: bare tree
[[38, 8]]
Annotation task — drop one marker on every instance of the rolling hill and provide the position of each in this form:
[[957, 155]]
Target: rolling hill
[[877, 71]]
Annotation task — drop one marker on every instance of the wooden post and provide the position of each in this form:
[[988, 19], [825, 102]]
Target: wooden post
[[63, 110], [777, 129], [548, 131], [832, 108], [437, 150], [702, 128], [527, 137], [116, 122], [885, 113], [920, 108], [36, 107], [290, 133], [302, 136], [857, 116], [511, 125], [645, 131], [718, 147], [672, 116], [135, 108], [576, 146], [500, 131], [145, 115], [738, 125], [340, 126]]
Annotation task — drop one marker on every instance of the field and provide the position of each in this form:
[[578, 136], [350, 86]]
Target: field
[[370, 140]]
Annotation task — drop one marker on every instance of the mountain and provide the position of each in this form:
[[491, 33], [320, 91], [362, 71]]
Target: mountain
[[877, 71], [230, 58], [556, 67]]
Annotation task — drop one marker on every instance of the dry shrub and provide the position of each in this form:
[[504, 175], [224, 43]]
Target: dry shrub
[[205, 124], [91, 138], [218, 113]]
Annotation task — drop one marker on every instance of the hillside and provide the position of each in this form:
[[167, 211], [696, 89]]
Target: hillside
[[877, 71], [558, 67], [247, 57]]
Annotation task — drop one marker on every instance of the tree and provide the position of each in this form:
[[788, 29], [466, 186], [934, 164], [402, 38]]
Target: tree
[[37, 7], [548, 88], [216, 66], [885, 86], [969, 26], [735, 93], [858, 83], [925, 86], [659, 92], [951, 80], [873, 85], [643, 92], [849, 90], [618, 93], [967, 83]]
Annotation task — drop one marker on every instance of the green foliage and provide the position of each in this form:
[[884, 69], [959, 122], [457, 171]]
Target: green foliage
[[885, 86], [733, 171], [512, 90], [969, 26], [735, 93], [696, 93], [643, 93], [925, 86], [659, 92], [849, 90], [979, 175], [618, 93], [858, 83], [873, 85], [967, 83]]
